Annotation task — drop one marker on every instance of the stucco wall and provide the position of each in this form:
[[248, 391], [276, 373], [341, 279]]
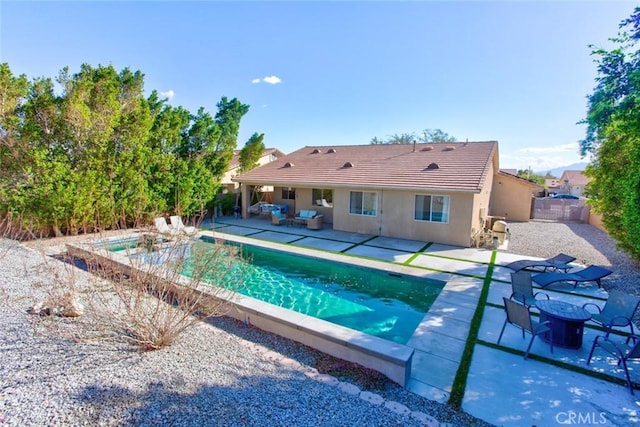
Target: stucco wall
[[481, 204], [510, 198], [596, 221], [395, 218]]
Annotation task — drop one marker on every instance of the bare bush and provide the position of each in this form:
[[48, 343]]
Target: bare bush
[[167, 288]]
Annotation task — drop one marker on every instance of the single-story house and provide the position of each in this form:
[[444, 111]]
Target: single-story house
[[552, 185], [512, 196], [268, 155], [573, 182], [436, 192]]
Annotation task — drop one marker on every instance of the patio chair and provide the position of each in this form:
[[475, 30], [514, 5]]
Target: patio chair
[[163, 228], [621, 351], [178, 225], [558, 262], [592, 273], [277, 217], [519, 315], [522, 289], [618, 310]]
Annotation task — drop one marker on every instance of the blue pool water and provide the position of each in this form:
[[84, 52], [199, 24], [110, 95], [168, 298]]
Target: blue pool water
[[371, 301]]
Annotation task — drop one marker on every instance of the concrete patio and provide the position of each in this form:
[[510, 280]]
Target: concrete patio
[[502, 388]]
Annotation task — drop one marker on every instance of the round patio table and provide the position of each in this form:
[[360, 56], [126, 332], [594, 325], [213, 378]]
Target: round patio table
[[566, 322]]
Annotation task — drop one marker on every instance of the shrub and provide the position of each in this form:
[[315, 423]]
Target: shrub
[[168, 288]]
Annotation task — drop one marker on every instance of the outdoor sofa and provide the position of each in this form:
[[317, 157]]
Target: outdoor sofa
[[311, 218]]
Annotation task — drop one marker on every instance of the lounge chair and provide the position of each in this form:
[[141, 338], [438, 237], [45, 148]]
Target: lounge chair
[[522, 289], [256, 208], [555, 263], [519, 315], [277, 217], [592, 273], [621, 351], [178, 225], [618, 310], [163, 228]]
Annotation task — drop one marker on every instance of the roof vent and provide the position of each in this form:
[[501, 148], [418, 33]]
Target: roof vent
[[449, 148], [427, 148], [316, 151], [348, 165], [331, 150], [433, 166], [288, 165]]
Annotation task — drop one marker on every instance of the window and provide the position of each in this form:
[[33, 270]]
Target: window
[[432, 208], [288, 194], [363, 203], [322, 197]]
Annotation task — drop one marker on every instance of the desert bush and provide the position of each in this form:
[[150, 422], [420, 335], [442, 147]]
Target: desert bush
[[168, 288]]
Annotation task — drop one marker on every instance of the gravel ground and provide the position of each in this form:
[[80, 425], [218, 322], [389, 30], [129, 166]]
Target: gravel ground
[[70, 372], [588, 244], [62, 371]]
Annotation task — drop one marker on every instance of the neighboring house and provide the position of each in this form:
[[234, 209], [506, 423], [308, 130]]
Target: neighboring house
[[552, 185], [511, 197], [431, 192], [268, 155], [573, 182]]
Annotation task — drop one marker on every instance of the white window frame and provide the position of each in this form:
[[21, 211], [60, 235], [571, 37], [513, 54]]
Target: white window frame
[[445, 210], [362, 211]]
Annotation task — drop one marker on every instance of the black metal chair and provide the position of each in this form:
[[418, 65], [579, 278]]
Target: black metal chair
[[522, 289], [519, 315], [621, 351], [618, 311]]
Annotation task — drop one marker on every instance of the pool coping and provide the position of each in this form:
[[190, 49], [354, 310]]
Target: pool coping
[[391, 359]]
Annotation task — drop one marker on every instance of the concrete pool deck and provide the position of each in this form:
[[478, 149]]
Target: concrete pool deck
[[502, 388]]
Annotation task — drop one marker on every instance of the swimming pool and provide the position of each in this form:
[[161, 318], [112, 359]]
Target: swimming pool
[[378, 303]]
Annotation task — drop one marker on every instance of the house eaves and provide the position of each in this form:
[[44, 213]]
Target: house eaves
[[308, 184], [517, 178]]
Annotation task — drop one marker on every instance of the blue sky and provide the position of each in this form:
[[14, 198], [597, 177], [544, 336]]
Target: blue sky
[[325, 73]]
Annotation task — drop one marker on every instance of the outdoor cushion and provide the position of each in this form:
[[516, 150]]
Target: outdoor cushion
[[306, 214]]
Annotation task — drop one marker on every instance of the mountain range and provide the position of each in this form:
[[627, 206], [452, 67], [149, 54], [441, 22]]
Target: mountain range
[[557, 172]]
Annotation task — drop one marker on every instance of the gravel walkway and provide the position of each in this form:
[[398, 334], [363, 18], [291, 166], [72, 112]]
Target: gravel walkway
[[69, 372], [583, 241]]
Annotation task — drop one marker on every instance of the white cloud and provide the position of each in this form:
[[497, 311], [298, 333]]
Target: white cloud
[[539, 161], [168, 94], [539, 158], [272, 80], [565, 148]]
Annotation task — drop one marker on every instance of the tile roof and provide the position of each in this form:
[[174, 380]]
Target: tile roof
[[575, 177], [446, 166], [503, 172], [513, 172]]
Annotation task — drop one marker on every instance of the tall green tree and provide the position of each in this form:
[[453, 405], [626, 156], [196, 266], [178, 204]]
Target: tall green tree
[[228, 117], [251, 152], [94, 152], [427, 135], [13, 92], [436, 136], [613, 137]]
